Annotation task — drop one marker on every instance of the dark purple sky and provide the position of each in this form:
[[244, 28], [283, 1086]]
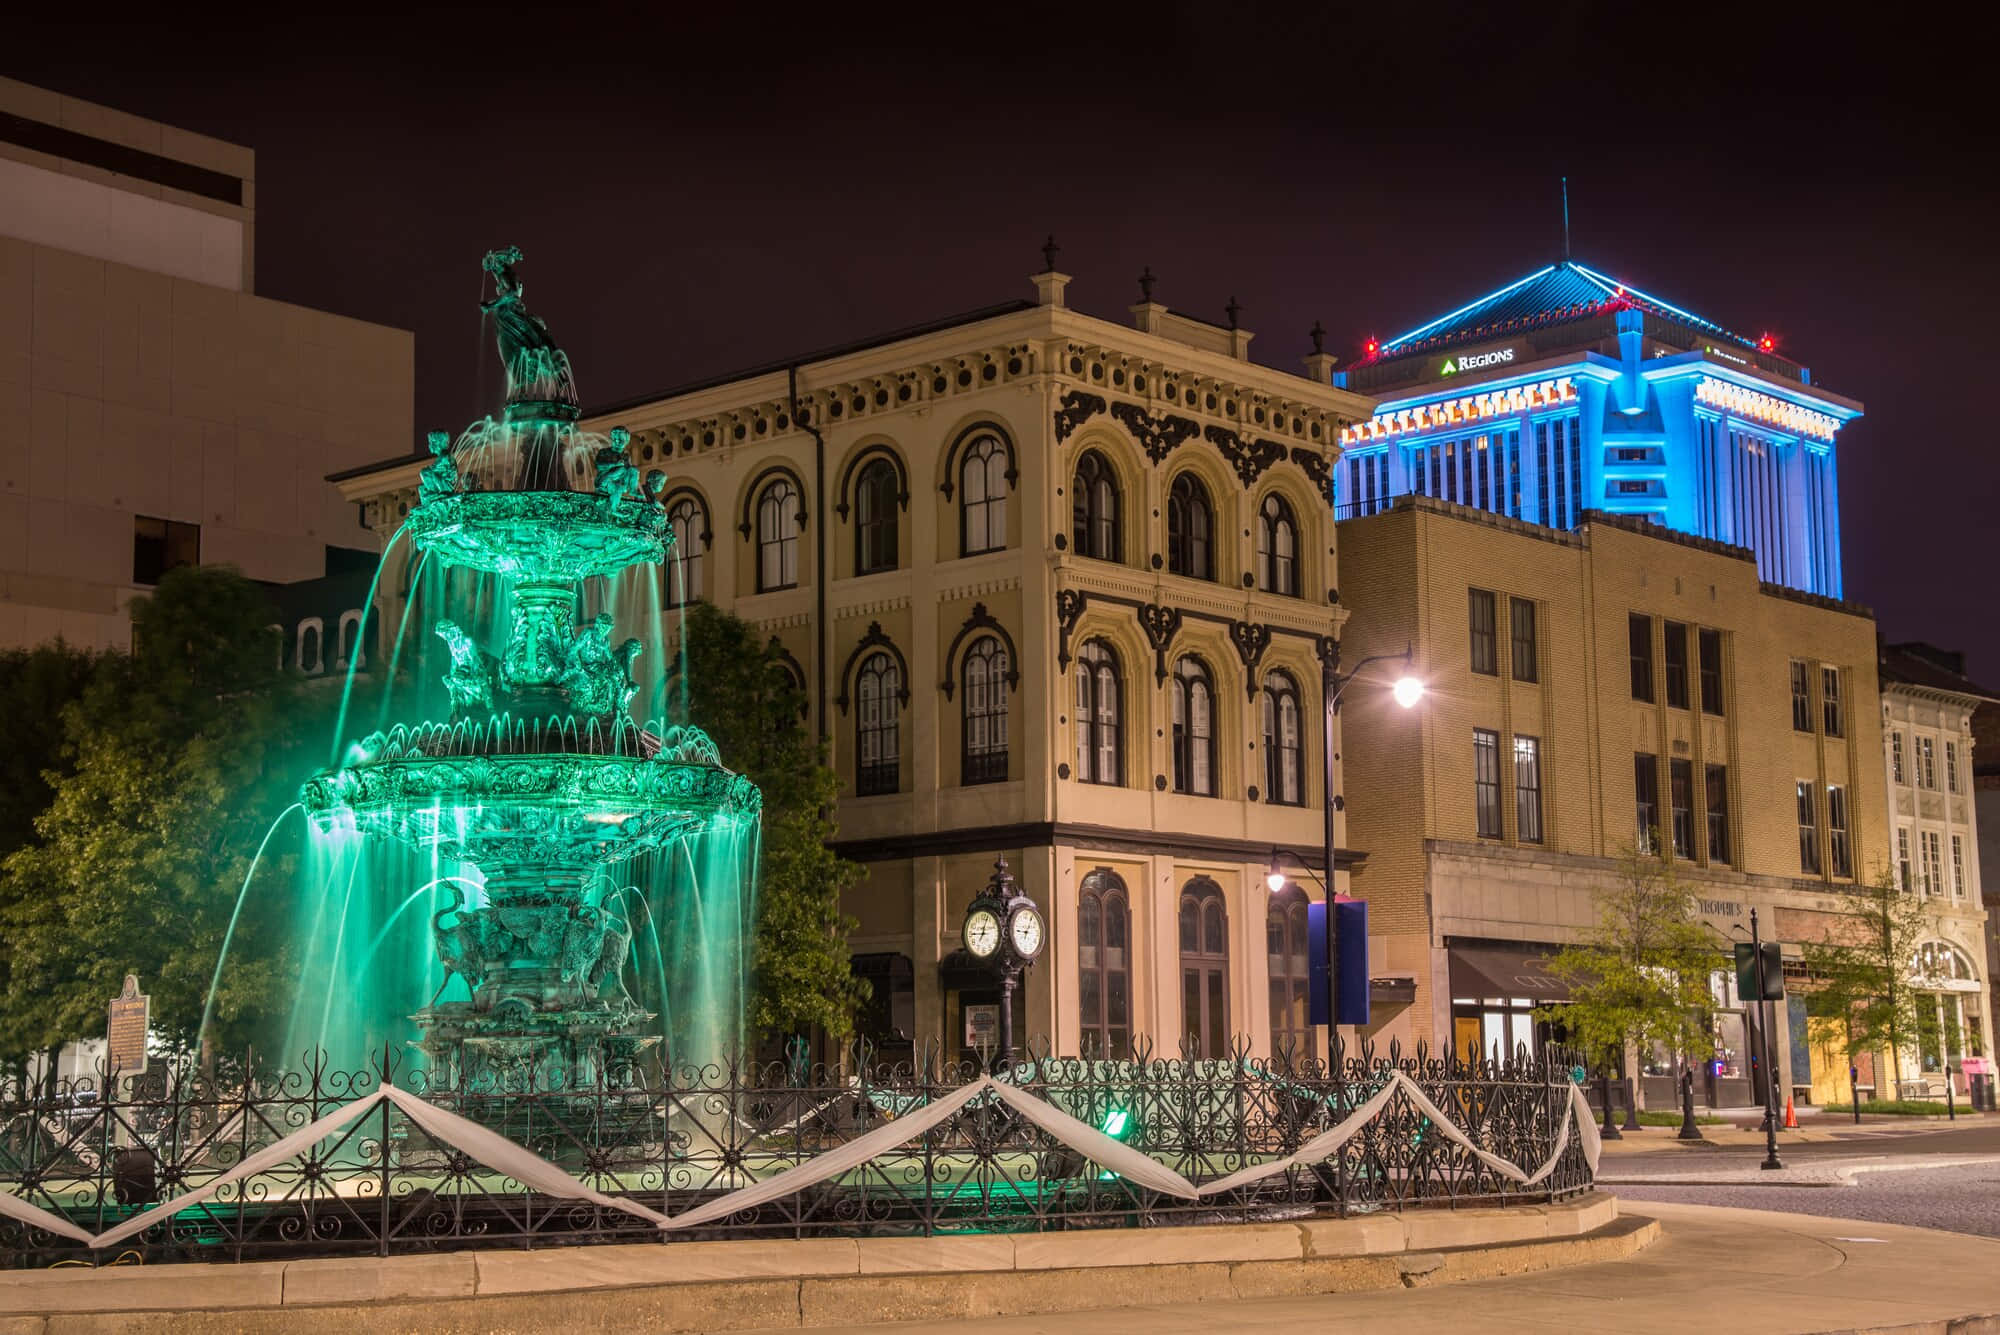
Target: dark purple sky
[[696, 194]]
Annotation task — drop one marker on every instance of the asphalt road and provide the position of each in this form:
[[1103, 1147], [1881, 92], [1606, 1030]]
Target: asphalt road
[[1897, 1181]]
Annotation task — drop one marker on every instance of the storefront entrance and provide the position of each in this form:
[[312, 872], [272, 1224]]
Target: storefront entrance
[[1495, 988]]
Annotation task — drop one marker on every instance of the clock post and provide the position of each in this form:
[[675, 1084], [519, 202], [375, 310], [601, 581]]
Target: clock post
[[1005, 931]]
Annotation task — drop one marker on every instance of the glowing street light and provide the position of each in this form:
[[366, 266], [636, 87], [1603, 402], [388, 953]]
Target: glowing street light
[[1407, 690]]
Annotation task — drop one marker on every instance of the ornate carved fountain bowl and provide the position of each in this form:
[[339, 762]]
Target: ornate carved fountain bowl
[[563, 810], [542, 535]]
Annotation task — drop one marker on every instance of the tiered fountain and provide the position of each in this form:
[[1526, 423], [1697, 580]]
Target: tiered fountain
[[539, 783]]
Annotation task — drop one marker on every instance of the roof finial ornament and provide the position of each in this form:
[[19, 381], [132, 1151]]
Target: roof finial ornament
[[1233, 309], [1565, 194], [1146, 281], [1318, 335], [1049, 251]]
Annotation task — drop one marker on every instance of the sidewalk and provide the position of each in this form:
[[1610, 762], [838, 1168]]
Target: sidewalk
[[1715, 1269]]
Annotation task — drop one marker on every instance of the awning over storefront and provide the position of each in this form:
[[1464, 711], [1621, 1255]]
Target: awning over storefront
[[1505, 971]]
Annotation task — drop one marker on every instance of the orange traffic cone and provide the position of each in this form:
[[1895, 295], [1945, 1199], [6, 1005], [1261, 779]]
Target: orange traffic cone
[[1791, 1115]]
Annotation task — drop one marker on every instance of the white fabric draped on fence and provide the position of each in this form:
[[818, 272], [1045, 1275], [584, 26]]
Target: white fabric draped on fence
[[533, 1171]]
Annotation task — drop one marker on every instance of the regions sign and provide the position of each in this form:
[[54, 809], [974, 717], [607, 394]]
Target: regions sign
[[1477, 361], [131, 1013]]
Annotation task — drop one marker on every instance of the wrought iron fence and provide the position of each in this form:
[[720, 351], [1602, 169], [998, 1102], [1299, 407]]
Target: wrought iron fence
[[674, 1139]]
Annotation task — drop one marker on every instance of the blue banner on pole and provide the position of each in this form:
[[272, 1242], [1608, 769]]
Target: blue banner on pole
[[1351, 920]]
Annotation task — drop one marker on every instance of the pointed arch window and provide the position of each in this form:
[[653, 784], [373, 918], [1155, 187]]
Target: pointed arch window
[[685, 561], [1277, 547], [1204, 925], [982, 497], [875, 494], [1292, 1032], [1100, 728], [1194, 727], [778, 536], [1104, 966], [1190, 529], [1094, 508], [983, 755], [1284, 741], [878, 691]]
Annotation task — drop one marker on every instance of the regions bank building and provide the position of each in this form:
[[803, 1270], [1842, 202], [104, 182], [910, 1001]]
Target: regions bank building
[[1568, 391]]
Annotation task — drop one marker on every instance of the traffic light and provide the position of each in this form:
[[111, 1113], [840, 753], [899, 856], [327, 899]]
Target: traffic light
[[1746, 972]]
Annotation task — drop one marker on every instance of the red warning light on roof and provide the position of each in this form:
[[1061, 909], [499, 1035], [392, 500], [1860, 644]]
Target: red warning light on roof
[[1767, 344], [1371, 347]]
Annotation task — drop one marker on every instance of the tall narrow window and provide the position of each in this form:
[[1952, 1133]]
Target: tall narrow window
[[1521, 614], [1896, 758], [1646, 794], [1204, 924], [1715, 787], [1958, 866], [1277, 547], [1808, 829], [1094, 507], [1485, 650], [683, 583], [777, 536], [1933, 864], [1676, 663], [878, 691], [1284, 768], [1190, 529], [1104, 966], [982, 497], [1099, 714], [1801, 698], [1194, 727], [1904, 876], [875, 518], [1829, 699], [1680, 787], [1711, 671], [1528, 789], [1286, 966], [983, 757], [1951, 767], [1486, 782], [1639, 639], [1927, 763]]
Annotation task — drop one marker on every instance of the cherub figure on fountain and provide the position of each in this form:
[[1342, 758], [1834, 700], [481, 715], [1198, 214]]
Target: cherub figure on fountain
[[469, 679], [617, 477], [441, 478]]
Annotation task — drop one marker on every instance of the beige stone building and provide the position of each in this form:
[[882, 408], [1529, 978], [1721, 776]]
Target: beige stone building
[[1593, 691], [158, 411], [1056, 589]]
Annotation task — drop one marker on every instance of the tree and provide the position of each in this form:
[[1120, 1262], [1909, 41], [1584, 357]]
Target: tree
[[1870, 975], [183, 753], [1640, 975], [741, 692]]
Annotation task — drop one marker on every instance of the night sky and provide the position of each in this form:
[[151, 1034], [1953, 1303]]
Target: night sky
[[698, 193]]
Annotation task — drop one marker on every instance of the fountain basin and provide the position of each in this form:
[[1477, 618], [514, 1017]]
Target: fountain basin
[[541, 535]]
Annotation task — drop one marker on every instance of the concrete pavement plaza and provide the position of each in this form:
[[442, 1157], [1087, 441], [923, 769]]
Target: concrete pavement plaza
[[1750, 1271]]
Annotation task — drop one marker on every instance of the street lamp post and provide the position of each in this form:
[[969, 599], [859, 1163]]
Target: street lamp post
[[1407, 691]]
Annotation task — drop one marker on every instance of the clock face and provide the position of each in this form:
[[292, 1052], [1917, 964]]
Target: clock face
[[1025, 928], [982, 933]]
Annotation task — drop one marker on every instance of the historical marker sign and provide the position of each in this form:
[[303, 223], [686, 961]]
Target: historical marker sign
[[125, 1035]]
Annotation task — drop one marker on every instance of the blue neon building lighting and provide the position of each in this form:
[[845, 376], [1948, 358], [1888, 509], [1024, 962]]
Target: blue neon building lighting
[[1570, 391]]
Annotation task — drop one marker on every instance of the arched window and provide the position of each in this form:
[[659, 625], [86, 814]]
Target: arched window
[[1942, 977], [1190, 529], [878, 690], [350, 641], [1194, 727], [875, 517], [310, 656], [778, 536], [982, 497], [1284, 750], [1285, 946], [1094, 508], [983, 757], [1204, 969], [1104, 966], [1277, 547], [1100, 732], [689, 523]]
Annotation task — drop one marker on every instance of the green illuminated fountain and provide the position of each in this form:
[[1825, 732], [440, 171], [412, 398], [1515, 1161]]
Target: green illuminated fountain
[[538, 785]]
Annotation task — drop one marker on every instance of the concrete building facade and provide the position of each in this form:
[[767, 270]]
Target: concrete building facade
[[158, 411]]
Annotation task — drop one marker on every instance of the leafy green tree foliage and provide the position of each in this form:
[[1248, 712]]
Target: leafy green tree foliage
[[183, 753], [36, 685], [1870, 990], [739, 690], [1640, 975]]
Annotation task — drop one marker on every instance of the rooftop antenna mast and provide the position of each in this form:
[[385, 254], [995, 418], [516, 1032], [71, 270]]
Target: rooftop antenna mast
[[1565, 193]]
